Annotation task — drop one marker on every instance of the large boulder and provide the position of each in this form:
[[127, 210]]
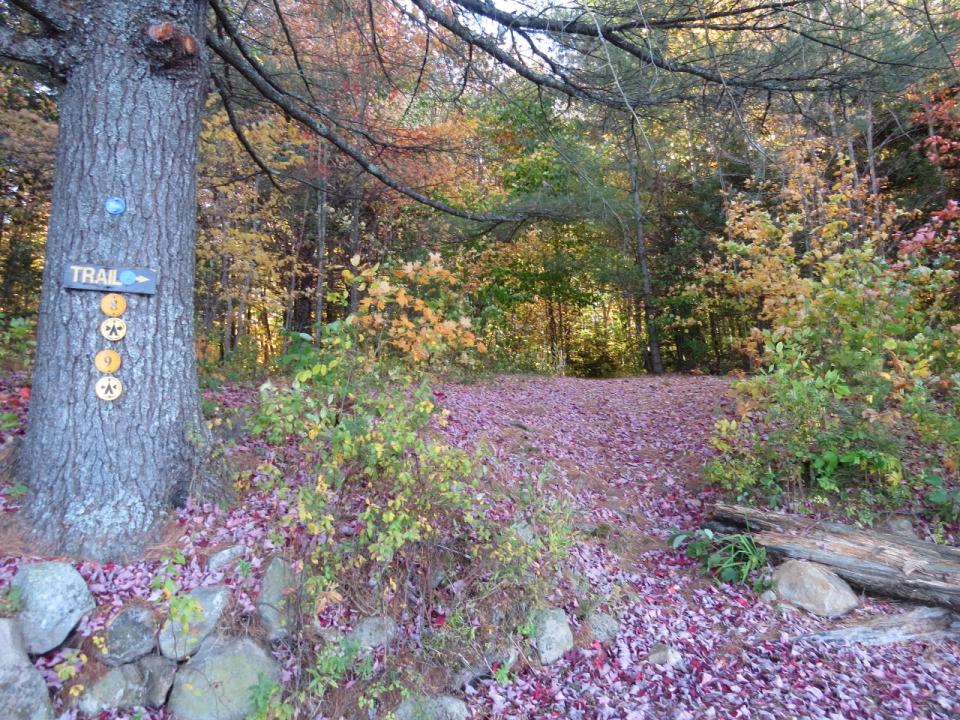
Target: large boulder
[[181, 637], [814, 588], [218, 682], [121, 688], [54, 598], [23, 694], [551, 636], [372, 632], [435, 707], [131, 634], [277, 601]]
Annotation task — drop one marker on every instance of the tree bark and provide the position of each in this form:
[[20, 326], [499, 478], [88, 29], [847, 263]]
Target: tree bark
[[886, 564], [102, 476]]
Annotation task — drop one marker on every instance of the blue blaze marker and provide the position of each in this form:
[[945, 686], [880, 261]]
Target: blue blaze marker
[[115, 205], [128, 277]]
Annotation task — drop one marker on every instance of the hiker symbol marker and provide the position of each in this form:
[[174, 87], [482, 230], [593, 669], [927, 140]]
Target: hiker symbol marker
[[113, 329], [108, 388]]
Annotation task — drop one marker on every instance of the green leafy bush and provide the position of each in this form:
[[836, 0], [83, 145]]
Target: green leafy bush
[[857, 392], [361, 413], [727, 558]]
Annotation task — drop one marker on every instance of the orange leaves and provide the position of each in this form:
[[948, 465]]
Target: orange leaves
[[408, 314]]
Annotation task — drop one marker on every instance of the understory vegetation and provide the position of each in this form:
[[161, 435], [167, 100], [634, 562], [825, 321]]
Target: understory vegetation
[[428, 536]]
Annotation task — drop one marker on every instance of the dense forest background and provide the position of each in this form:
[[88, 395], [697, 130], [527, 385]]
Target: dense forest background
[[644, 237]]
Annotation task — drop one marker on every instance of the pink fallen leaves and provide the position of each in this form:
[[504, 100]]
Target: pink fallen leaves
[[624, 453]]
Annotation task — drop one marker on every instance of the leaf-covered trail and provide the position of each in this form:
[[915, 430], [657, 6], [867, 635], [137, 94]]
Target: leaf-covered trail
[[625, 453]]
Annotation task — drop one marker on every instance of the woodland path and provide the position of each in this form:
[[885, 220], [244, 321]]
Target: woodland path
[[626, 454]]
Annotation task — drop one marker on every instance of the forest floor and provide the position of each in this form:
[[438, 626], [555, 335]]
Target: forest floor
[[625, 456]]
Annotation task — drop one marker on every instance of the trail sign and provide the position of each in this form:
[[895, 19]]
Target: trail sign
[[85, 276]]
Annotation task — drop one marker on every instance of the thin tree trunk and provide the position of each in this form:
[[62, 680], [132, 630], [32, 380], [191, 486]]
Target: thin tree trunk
[[227, 306], [102, 475], [640, 249], [321, 236], [354, 297]]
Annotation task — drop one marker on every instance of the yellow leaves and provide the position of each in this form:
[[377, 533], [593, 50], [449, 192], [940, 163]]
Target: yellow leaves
[[100, 643], [832, 229]]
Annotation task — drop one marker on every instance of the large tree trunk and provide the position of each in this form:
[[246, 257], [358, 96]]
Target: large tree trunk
[[102, 475]]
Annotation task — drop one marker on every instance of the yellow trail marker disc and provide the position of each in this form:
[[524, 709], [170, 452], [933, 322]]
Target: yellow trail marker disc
[[108, 388], [113, 329], [113, 304], [107, 361]]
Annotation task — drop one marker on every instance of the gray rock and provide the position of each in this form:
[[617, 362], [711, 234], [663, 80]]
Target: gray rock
[[768, 596], [434, 707], [179, 640], [226, 557], [525, 532], [604, 627], [54, 598], [504, 657], [158, 673], [218, 682], [13, 652], [661, 654], [551, 635], [813, 588], [23, 694], [277, 601], [372, 632], [130, 635], [122, 688]]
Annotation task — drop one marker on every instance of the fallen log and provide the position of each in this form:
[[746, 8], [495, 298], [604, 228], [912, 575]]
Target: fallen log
[[890, 565]]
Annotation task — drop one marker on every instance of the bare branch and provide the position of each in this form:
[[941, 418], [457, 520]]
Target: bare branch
[[493, 49], [269, 91], [49, 13], [224, 92]]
